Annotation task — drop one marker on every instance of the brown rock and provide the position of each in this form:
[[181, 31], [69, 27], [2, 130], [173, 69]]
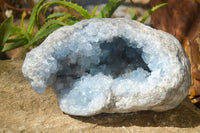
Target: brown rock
[[176, 18], [181, 18]]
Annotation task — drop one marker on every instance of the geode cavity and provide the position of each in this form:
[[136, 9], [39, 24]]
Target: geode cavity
[[110, 65]]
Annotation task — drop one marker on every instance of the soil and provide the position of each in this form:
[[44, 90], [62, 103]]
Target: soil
[[23, 110]]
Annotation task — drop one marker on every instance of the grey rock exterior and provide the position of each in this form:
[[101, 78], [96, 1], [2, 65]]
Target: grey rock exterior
[[110, 65]]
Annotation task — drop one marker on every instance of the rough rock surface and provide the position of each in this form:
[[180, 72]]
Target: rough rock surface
[[22, 110], [110, 65]]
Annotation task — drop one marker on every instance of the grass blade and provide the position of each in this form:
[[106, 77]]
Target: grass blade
[[94, 11], [49, 23], [46, 8], [22, 19], [68, 17], [14, 45], [56, 15], [40, 36], [33, 16], [76, 7], [26, 34], [132, 13], [23, 29], [110, 8], [151, 11], [16, 31], [15, 39], [5, 29], [71, 22]]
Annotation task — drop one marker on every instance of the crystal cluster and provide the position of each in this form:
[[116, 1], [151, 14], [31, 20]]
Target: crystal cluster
[[110, 65]]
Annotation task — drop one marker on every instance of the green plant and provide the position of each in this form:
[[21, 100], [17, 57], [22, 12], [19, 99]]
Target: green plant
[[5, 29], [110, 8], [144, 18], [25, 37]]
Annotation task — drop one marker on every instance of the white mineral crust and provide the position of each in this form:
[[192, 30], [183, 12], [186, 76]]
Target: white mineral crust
[[110, 65]]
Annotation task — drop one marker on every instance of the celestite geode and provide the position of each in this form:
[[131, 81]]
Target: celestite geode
[[110, 65]]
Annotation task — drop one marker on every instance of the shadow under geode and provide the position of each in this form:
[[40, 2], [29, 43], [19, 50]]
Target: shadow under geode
[[185, 115]]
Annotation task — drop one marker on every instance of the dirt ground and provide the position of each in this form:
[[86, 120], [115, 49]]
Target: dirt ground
[[22, 110]]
